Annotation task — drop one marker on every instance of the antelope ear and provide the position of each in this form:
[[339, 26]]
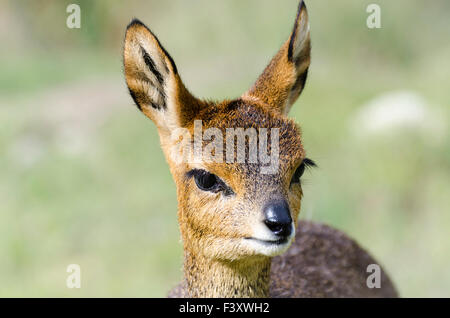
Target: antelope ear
[[284, 78], [153, 80]]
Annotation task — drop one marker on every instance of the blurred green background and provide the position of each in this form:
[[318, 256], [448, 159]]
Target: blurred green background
[[83, 180]]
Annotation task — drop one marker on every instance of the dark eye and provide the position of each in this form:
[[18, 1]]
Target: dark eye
[[301, 169], [206, 181], [298, 173], [209, 182]]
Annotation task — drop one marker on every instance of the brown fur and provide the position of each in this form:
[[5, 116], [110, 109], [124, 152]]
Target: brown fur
[[215, 226]]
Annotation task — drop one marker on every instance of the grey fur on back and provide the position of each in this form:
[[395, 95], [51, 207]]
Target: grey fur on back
[[322, 262]]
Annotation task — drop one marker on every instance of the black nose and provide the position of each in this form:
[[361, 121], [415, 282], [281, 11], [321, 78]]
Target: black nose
[[278, 218]]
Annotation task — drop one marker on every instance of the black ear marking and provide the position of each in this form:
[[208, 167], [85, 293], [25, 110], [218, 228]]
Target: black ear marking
[[133, 96], [138, 22], [141, 98], [172, 63], [300, 82], [151, 66], [294, 32]]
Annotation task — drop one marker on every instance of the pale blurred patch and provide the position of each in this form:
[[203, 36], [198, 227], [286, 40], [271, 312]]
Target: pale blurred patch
[[398, 112]]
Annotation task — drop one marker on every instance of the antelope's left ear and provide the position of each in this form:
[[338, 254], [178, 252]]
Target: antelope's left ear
[[284, 78], [153, 80]]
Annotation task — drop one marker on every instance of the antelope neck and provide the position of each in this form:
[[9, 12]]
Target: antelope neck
[[217, 278]]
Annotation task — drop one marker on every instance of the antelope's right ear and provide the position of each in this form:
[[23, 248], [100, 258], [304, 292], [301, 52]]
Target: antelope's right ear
[[153, 80], [284, 78]]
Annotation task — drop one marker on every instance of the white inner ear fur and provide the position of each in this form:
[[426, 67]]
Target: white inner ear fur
[[300, 42], [151, 47], [170, 115], [302, 34]]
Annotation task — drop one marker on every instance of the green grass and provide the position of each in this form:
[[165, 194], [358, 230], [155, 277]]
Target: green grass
[[83, 179]]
